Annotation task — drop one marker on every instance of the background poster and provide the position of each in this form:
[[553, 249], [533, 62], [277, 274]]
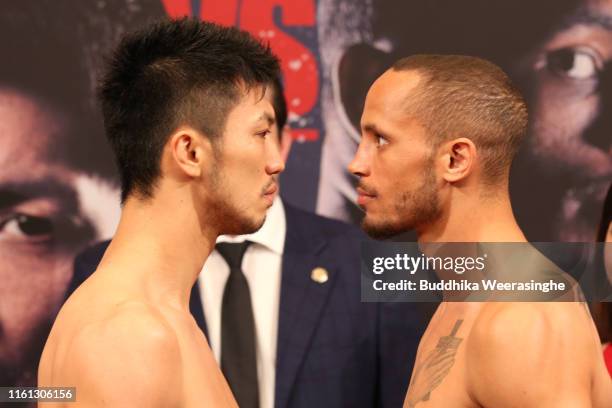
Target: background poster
[[58, 186]]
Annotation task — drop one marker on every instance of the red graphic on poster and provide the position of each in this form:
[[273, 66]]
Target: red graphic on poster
[[299, 65]]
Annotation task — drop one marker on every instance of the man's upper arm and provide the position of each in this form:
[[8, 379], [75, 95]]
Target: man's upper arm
[[132, 359], [524, 355]]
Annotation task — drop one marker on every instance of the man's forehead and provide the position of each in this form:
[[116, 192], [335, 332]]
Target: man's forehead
[[267, 116], [394, 87], [264, 111], [255, 106], [389, 96]]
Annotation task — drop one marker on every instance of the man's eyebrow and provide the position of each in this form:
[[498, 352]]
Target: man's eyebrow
[[270, 119], [371, 128], [15, 192], [585, 16]]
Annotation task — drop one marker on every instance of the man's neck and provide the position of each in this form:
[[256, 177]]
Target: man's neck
[[160, 243], [475, 219]]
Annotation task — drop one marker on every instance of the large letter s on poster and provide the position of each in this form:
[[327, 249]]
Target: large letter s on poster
[[299, 65]]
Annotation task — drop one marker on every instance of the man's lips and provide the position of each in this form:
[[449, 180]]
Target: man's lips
[[270, 190], [269, 193], [363, 196]]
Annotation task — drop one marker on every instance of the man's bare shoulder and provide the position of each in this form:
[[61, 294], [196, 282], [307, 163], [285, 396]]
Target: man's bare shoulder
[[131, 321], [544, 327], [131, 357], [537, 354]]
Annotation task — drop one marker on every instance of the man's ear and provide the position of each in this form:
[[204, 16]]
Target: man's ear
[[458, 159], [190, 151], [286, 140]]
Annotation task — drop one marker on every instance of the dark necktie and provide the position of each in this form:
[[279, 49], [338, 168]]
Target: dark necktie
[[238, 359]]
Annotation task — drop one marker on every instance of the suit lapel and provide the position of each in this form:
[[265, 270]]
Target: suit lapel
[[302, 301]]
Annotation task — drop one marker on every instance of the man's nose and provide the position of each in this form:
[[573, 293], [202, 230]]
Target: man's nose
[[359, 166], [274, 160]]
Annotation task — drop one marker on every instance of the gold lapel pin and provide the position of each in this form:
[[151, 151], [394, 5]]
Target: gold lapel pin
[[319, 275]]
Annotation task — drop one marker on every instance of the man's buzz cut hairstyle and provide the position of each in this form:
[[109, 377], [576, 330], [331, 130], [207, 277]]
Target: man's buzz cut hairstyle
[[464, 96], [174, 73]]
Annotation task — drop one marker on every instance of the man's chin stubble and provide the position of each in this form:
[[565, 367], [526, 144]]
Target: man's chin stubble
[[383, 230], [243, 226]]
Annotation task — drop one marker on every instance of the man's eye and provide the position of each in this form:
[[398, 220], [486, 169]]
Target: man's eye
[[263, 133], [574, 63], [26, 227], [381, 141]]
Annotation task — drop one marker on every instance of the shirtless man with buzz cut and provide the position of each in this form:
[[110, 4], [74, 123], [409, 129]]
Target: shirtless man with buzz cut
[[438, 136], [185, 112]]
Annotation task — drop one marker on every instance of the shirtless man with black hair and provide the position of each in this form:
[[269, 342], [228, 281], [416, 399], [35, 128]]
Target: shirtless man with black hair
[[185, 112]]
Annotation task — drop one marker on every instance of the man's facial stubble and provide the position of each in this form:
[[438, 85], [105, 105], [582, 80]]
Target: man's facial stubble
[[412, 208]]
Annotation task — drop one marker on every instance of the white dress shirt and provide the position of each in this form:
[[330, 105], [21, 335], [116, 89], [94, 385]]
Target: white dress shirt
[[261, 265]]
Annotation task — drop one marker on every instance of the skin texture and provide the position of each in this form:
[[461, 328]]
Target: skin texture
[[133, 312], [473, 354], [570, 145], [43, 225]]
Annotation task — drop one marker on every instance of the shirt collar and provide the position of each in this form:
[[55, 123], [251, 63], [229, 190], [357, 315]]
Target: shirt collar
[[271, 234]]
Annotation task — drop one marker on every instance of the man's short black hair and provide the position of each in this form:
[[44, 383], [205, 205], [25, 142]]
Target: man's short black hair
[[173, 73]]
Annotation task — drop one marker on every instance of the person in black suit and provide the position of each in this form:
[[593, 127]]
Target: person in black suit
[[316, 344]]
